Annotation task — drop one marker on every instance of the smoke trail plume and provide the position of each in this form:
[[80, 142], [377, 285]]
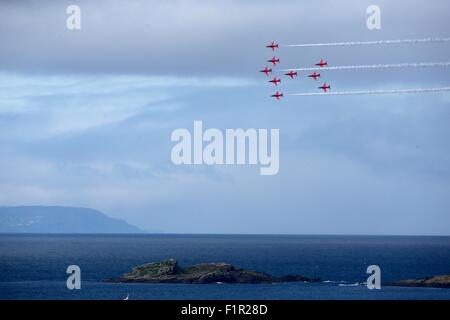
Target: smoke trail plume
[[375, 66], [370, 43], [371, 92]]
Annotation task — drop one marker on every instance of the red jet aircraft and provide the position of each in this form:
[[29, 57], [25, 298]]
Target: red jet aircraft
[[275, 81], [322, 63], [291, 74], [266, 71], [272, 46], [325, 87], [277, 95], [314, 75], [274, 60]]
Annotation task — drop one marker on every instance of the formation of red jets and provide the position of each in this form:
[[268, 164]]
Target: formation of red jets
[[273, 46]]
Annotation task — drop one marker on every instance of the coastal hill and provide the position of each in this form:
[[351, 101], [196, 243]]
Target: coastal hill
[[441, 281], [168, 271], [55, 219]]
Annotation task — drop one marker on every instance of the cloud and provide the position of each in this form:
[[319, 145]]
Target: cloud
[[78, 102], [204, 37], [86, 116]]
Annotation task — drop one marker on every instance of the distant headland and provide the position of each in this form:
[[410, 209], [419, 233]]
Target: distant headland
[[57, 219]]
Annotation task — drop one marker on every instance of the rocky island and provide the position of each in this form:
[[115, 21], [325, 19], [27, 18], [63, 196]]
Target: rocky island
[[442, 281], [168, 271]]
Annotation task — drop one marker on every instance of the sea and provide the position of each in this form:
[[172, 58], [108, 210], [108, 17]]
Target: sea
[[34, 266]]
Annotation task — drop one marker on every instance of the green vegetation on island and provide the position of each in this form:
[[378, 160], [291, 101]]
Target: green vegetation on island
[[168, 271]]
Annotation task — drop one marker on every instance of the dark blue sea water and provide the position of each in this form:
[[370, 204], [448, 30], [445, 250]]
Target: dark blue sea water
[[34, 266]]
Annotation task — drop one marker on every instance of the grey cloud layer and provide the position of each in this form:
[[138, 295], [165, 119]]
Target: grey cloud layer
[[199, 36], [86, 117]]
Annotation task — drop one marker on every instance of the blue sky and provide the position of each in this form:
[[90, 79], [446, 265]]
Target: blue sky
[[86, 116]]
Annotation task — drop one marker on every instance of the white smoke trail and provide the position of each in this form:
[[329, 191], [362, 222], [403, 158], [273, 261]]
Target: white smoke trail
[[370, 43], [375, 66], [371, 92]]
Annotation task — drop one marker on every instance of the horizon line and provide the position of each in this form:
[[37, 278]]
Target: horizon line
[[226, 234]]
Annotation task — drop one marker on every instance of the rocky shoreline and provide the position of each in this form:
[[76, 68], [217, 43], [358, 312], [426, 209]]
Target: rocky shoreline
[[441, 281], [168, 271]]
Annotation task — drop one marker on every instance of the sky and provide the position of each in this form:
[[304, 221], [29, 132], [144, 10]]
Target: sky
[[86, 115]]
